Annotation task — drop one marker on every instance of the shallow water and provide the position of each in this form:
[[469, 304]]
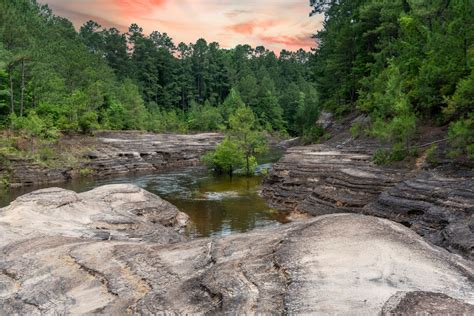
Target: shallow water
[[217, 205]]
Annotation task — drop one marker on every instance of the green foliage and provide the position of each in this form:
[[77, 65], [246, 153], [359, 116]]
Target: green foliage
[[32, 125], [100, 78], [88, 122], [242, 143], [204, 117], [244, 133], [312, 134], [226, 158], [431, 155], [461, 138], [357, 130], [399, 61]]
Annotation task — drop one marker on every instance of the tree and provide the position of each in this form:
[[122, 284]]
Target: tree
[[244, 133], [226, 158]]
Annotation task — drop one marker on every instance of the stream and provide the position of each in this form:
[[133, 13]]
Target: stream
[[216, 205]]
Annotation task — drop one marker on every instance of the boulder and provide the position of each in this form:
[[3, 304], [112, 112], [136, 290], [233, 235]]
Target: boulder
[[438, 206], [120, 250]]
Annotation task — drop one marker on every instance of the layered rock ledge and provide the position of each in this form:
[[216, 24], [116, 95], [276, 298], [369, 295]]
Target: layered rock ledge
[[115, 153], [320, 180], [119, 250]]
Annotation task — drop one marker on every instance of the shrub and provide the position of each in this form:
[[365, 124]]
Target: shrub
[[312, 134], [88, 122], [227, 157], [461, 138], [204, 117]]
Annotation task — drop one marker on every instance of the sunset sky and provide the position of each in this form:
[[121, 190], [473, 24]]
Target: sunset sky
[[276, 24]]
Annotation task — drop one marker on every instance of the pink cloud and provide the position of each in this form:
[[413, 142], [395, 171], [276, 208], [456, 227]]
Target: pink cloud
[[250, 26], [292, 42], [277, 24]]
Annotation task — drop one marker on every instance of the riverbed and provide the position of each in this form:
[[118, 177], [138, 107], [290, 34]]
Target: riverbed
[[216, 205]]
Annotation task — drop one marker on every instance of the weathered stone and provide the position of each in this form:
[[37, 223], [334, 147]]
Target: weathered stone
[[425, 303], [320, 180], [116, 153], [437, 206], [325, 120], [55, 259]]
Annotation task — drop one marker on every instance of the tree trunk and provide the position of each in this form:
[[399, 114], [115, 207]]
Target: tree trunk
[[12, 99], [248, 165], [22, 97]]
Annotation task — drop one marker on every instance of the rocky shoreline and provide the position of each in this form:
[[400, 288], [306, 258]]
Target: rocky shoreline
[[339, 176], [379, 240], [115, 153], [120, 250], [321, 180]]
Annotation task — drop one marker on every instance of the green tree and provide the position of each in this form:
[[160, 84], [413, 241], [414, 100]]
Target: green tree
[[245, 135], [227, 157]]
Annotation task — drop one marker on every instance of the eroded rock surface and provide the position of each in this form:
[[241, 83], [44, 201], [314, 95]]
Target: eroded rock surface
[[320, 180], [425, 303], [117, 250], [438, 206], [131, 152], [114, 153]]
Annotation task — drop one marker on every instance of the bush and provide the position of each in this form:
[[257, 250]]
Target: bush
[[204, 117], [88, 122], [461, 138], [312, 134], [33, 125], [227, 158]]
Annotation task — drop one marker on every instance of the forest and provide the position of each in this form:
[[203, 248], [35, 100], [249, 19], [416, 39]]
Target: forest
[[405, 63]]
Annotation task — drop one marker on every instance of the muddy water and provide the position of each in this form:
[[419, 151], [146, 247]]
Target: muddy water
[[217, 205]]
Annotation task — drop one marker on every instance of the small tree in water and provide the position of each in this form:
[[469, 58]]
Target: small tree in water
[[243, 131], [226, 158], [243, 141]]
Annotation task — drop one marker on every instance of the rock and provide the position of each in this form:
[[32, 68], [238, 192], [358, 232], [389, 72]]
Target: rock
[[321, 180], [55, 259], [115, 153], [287, 143], [117, 212], [425, 303], [325, 120], [124, 152], [439, 207]]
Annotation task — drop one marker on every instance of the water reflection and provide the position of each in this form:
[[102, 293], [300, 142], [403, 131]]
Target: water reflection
[[217, 206]]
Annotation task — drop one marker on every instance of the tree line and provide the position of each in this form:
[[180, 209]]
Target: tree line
[[403, 62], [54, 78]]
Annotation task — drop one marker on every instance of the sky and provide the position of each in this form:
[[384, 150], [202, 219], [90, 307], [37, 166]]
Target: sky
[[275, 24]]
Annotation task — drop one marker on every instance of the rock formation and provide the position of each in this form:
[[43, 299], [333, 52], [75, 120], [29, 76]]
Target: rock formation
[[438, 206], [320, 180], [118, 250], [114, 153]]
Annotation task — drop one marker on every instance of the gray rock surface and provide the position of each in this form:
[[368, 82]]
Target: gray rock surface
[[134, 152], [320, 180], [115, 153], [117, 250], [439, 207], [425, 303]]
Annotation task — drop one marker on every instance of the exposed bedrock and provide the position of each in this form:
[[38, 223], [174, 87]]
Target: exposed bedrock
[[114, 153], [118, 250], [132, 152], [322, 180], [437, 206]]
